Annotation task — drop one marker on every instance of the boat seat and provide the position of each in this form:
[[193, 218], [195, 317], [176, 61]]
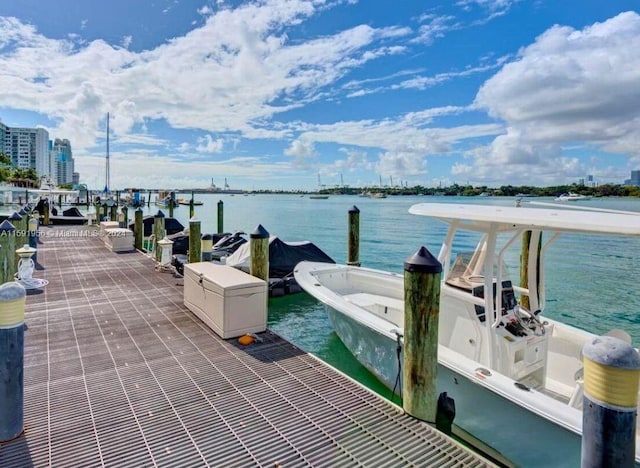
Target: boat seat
[[370, 301]]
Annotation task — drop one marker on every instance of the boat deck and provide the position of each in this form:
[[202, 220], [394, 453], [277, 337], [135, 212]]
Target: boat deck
[[118, 372]]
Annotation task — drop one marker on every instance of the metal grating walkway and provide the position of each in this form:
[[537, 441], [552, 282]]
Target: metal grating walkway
[[119, 373]]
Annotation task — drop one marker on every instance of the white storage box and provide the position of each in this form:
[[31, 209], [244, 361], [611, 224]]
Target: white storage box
[[231, 302], [118, 239], [104, 225]]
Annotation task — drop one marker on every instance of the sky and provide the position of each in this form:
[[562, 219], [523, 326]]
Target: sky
[[297, 94]]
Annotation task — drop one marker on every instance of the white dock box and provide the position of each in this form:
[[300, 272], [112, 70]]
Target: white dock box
[[231, 302]]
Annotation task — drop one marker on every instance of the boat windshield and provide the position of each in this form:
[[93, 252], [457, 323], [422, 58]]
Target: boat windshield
[[463, 273]]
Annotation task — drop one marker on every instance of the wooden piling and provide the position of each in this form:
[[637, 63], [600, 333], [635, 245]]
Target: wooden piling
[[7, 252], [125, 217], [421, 310], [149, 199], [12, 305], [206, 247], [611, 375], [138, 229], [172, 201], [259, 248], [192, 208], [113, 207], [353, 252], [220, 216], [158, 233], [33, 234], [46, 220], [16, 219], [525, 300], [195, 247]]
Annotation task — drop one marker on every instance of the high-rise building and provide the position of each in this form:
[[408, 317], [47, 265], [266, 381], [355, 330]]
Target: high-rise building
[[26, 147], [62, 164], [634, 180], [3, 135]]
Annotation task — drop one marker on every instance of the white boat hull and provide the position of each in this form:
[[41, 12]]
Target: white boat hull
[[487, 415]]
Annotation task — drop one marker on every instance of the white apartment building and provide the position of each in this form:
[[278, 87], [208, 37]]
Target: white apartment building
[[27, 147]]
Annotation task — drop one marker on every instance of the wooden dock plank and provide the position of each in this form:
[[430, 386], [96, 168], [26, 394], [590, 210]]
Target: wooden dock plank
[[119, 373]]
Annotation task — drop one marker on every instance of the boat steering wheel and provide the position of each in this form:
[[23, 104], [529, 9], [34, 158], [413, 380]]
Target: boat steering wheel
[[529, 320]]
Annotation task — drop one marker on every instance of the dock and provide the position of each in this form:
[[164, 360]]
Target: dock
[[118, 372]]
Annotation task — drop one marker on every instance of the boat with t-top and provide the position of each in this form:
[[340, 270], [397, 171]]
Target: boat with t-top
[[516, 376]]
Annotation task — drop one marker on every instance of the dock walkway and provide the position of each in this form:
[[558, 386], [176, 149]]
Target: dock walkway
[[118, 372]]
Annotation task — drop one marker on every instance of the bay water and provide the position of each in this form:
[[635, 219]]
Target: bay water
[[592, 282]]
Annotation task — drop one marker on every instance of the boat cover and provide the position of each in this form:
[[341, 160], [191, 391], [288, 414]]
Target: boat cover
[[171, 225], [72, 212], [181, 241], [283, 256]]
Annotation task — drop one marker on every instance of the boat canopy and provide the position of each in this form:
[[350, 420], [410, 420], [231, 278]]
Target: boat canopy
[[509, 218]]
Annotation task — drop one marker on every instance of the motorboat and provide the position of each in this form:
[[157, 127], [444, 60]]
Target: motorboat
[[187, 201], [514, 374], [571, 196]]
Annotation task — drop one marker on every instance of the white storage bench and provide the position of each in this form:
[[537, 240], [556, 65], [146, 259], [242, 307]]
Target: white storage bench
[[118, 239], [104, 225], [231, 302]]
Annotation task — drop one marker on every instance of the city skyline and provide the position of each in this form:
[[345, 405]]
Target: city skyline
[[270, 94]]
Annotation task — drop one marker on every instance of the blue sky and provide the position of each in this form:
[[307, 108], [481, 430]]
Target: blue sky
[[271, 94]]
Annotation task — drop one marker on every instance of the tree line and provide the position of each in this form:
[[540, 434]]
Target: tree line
[[8, 172]]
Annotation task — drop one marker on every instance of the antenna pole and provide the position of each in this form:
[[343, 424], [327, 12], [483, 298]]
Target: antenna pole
[[107, 175]]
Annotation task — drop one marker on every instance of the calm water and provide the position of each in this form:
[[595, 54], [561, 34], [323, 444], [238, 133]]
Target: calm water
[[591, 281]]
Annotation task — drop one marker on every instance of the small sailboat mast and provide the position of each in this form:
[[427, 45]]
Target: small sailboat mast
[[107, 182]]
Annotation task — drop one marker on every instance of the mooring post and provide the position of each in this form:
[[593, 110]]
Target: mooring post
[[97, 207], [113, 207], [206, 245], [421, 310], [353, 252], [525, 251], [138, 229], [12, 301], [158, 234], [7, 252], [611, 373], [192, 208], [33, 234], [24, 226], [259, 248], [149, 199], [45, 214], [125, 217], [172, 200], [16, 220], [220, 216], [194, 240]]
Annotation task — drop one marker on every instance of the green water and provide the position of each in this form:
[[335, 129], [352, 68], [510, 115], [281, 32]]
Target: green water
[[591, 281]]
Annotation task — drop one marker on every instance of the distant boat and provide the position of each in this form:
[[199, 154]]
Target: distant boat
[[570, 196], [187, 201], [377, 195], [318, 197]]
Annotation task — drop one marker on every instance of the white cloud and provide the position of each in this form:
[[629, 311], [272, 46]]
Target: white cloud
[[301, 150], [434, 27], [207, 144], [568, 86], [233, 73]]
